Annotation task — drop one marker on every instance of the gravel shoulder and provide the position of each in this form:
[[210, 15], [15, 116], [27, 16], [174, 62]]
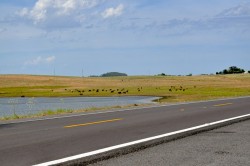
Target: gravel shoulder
[[226, 146]]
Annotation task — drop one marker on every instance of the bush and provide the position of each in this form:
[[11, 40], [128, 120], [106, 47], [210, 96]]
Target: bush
[[162, 74], [225, 71], [232, 70], [113, 74]]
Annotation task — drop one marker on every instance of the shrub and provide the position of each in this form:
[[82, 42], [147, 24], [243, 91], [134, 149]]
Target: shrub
[[232, 70], [113, 74]]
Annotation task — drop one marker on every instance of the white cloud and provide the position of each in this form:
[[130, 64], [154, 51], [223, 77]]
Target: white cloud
[[50, 59], [24, 12], [35, 61], [40, 60], [113, 12], [46, 9], [238, 11]]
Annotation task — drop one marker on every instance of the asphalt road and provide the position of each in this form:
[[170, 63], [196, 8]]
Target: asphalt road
[[226, 146], [34, 142]]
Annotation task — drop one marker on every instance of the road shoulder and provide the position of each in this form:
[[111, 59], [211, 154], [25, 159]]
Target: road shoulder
[[224, 146]]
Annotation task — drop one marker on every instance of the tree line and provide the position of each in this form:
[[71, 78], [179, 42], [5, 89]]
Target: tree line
[[111, 74], [232, 70]]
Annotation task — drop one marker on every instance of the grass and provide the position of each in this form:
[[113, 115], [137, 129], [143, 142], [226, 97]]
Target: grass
[[196, 88], [68, 111]]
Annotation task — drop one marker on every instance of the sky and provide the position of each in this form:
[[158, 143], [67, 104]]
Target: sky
[[145, 37]]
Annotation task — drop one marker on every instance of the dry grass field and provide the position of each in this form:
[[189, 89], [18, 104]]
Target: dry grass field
[[172, 88]]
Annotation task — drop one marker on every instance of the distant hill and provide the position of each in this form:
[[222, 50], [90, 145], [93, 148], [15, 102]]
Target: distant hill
[[113, 74]]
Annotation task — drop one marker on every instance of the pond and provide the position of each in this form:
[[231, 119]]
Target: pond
[[24, 106]]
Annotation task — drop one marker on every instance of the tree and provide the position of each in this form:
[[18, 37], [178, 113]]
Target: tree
[[232, 70], [162, 74], [113, 74], [235, 70], [225, 71]]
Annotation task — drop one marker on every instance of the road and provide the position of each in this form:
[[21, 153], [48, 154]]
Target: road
[[35, 142], [226, 146]]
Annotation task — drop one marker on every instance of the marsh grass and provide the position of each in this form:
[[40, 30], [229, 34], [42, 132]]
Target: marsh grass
[[48, 113], [196, 87]]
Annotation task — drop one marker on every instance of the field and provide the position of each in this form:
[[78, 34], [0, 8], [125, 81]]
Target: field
[[171, 88]]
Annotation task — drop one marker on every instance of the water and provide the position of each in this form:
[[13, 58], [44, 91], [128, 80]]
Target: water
[[24, 106]]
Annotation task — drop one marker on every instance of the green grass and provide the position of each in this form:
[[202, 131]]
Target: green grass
[[30, 91], [67, 111], [196, 88]]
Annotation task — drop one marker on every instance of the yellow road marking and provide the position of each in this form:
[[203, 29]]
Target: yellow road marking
[[92, 123], [220, 105]]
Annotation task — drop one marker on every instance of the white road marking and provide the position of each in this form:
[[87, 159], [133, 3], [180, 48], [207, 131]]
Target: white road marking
[[88, 154]]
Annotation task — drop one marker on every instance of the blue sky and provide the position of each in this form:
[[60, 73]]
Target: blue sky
[[136, 37]]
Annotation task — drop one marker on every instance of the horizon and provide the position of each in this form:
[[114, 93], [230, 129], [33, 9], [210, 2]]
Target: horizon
[[153, 75], [92, 37]]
